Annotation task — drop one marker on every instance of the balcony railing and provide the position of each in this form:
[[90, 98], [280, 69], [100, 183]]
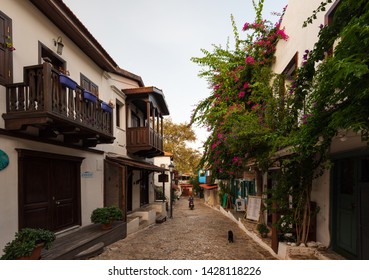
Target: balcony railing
[[144, 141], [42, 101]]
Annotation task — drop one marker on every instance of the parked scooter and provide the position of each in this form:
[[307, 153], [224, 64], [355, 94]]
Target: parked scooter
[[191, 204]]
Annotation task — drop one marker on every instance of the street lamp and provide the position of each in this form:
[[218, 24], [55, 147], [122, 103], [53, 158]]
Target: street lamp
[[171, 168]]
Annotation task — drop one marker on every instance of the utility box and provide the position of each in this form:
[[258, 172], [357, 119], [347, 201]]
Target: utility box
[[240, 204]]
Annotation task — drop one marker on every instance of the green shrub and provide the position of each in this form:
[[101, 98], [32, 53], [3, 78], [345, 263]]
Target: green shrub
[[106, 215], [25, 241]]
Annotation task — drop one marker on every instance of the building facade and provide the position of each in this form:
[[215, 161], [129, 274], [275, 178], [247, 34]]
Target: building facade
[[77, 131], [341, 193]]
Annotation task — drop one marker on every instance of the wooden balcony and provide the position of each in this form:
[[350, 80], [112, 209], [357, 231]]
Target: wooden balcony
[[45, 106], [144, 141]]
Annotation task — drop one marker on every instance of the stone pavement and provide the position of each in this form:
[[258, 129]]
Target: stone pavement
[[199, 234]]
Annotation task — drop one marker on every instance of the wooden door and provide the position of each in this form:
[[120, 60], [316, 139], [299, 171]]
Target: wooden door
[[49, 190], [115, 185], [129, 189], [144, 188]]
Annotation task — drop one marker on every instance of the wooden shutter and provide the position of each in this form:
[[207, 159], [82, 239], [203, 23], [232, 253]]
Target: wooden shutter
[[87, 84], [6, 61]]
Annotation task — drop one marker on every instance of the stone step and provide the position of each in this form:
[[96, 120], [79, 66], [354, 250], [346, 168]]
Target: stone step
[[143, 224], [160, 219], [93, 251]]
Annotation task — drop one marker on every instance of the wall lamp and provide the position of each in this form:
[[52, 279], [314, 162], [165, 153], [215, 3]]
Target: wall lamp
[[59, 45]]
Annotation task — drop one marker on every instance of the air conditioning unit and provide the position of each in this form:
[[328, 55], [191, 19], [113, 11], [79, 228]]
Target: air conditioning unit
[[240, 204]]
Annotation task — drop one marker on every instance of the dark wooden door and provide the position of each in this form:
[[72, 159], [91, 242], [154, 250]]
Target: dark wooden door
[[129, 189], [49, 190], [144, 188]]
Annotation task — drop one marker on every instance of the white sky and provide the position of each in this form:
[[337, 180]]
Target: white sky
[[156, 39]]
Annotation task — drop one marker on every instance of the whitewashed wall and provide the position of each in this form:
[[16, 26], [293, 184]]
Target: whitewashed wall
[[30, 27], [301, 39]]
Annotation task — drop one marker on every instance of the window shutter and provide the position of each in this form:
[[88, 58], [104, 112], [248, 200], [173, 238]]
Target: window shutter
[[6, 62], [87, 84]]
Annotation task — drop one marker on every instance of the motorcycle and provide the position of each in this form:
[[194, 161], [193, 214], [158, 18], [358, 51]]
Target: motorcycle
[[191, 204]]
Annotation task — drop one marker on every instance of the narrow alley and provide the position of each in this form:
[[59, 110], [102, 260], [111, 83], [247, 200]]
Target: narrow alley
[[199, 234]]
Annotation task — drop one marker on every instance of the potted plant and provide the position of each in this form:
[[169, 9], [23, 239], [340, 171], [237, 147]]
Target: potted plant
[[8, 43], [262, 229], [106, 215], [67, 81], [89, 96], [27, 244]]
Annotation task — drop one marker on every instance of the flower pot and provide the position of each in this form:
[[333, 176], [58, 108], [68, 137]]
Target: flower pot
[[106, 226], [106, 107], [36, 253], [68, 82], [89, 96]]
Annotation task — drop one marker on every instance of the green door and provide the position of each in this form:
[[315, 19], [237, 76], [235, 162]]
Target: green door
[[345, 208], [350, 221]]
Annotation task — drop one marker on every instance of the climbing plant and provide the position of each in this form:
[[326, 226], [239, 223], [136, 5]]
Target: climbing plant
[[250, 115], [239, 108], [331, 93]]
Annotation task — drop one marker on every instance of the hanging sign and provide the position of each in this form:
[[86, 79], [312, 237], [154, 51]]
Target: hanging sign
[[163, 178]]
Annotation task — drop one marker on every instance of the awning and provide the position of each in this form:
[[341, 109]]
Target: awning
[[209, 186], [186, 185], [135, 164]]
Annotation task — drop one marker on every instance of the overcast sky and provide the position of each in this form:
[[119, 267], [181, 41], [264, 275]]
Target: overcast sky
[[156, 39]]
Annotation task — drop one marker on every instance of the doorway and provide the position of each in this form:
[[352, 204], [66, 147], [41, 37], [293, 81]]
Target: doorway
[[49, 190], [144, 188], [350, 208]]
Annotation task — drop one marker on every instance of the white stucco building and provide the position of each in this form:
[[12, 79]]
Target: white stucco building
[[68, 149], [341, 192]]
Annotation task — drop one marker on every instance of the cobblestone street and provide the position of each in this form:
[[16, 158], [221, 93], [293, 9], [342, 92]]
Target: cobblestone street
[[199, 234]]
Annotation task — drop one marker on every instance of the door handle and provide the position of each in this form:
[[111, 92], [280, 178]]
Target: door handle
[[57, 202]]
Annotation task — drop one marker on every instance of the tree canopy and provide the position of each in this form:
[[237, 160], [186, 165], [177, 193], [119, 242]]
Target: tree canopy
[[176, 140]]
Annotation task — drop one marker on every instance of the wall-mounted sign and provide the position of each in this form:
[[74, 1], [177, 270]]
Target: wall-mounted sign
[[87, 174], [4, 160]]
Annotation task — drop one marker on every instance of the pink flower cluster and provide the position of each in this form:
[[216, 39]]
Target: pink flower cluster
[[250, 60]]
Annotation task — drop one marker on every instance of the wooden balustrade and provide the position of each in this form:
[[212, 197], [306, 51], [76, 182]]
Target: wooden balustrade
[[42, 99], [144, 141]]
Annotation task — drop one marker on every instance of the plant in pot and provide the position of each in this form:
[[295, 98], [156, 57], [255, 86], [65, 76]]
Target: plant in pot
[[27, 244], [106, 215], [262, 229]]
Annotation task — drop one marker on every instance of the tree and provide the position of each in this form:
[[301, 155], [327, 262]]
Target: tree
[[176, 138]]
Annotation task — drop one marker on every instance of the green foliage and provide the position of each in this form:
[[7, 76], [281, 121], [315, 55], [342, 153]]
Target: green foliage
[[250, 115], [106, 215], [262, 229], [25, 241], [194, 180], [243, 105]]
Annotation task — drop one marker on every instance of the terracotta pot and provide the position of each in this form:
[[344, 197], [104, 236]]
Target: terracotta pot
[[106, 226], [36, 253]]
